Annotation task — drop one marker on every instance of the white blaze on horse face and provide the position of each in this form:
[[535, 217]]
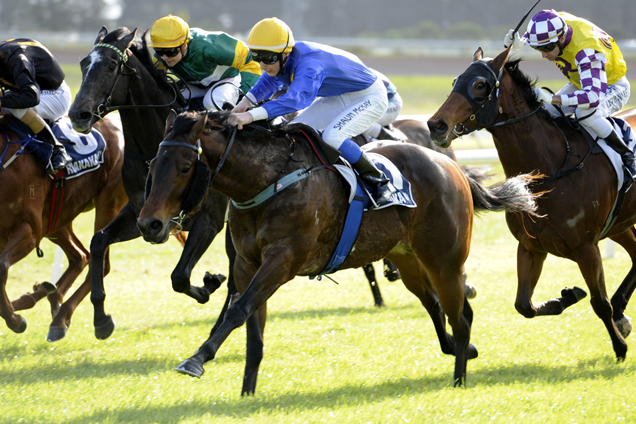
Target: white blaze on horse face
[[573, 222], [94, 58]]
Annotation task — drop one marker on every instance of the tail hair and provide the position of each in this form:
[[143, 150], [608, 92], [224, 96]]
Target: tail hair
[[513, 194]]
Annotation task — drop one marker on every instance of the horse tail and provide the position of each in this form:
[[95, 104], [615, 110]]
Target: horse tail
[[513, 194]]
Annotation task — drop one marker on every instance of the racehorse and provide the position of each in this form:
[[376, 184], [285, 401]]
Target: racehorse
[[494, 94], [296, 231], [35, 206]]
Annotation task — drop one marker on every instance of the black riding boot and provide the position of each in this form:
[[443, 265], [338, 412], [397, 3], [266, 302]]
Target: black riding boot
[[368, 171], [59, 157], [617, 143]]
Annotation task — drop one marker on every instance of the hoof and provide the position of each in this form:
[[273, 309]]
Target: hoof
[[50, 288], [213, 281], [191, 367], [624, 326], [55, 334], [22, 327], [104, 331], [574, 294], [391, 274], [472, 351], [470, 291]]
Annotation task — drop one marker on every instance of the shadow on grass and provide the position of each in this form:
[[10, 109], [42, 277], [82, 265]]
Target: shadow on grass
[[243, 408]]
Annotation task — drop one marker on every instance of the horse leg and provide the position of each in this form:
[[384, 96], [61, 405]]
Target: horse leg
[[529, 267], [20, 244], [469, 290], [391, 273], [416, 280], [273, 273], [369, 272], [122, 228], [624, 292], [589, 261], [201, 235], [78, 257]]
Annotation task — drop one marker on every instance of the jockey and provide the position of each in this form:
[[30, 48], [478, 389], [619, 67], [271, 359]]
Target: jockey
[[381, 130], [594, 65], [34, 90], [340, 95], [214, 65]]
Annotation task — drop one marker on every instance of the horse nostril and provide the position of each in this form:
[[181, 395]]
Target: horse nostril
[[437, 127], [155, 227]]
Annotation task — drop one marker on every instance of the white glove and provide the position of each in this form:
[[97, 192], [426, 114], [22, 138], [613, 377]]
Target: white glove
[[543, 96], [515, 40]]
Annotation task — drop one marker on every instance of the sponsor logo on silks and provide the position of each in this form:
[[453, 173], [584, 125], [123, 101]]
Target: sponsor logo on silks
[[349, 116], [88, 162], [400, 198]]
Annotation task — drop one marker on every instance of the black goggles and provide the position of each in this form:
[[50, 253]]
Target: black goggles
[[268, 58], [546, 48], [171, 52]]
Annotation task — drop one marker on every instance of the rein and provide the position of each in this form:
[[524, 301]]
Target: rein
[[102, 109]]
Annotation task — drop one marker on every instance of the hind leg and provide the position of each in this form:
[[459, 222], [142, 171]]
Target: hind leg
[[369, 272], [622, 295], [417, 281]]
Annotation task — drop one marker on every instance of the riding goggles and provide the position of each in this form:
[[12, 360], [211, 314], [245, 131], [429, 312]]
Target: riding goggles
[[546, 48], [268, 58], [171, 52]]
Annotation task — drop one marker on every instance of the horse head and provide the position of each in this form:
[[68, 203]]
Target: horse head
[[102, 82], [178, 180], [473, 102]]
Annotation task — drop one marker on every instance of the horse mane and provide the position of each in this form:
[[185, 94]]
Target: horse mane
[[526, 84]]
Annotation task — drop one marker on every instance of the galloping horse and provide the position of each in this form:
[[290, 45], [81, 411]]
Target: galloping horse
[[296, 231], [118, 74], [28, 196], [495, 94]]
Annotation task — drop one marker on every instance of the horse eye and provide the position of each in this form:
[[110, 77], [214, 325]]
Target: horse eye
[[185, 169], [112, 67]]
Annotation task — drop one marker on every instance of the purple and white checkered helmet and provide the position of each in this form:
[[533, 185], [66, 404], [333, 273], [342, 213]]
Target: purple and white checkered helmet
[[545, 27]]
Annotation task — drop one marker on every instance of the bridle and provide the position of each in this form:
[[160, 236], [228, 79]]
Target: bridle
[[490, 104], [126, 70]]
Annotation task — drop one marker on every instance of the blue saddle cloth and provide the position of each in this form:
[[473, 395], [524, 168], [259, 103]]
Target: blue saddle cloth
[[359, 201], [86, 150]]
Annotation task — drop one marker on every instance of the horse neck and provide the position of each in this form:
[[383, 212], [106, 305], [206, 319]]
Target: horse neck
[[531, 144], [144, 127], [252, 165]]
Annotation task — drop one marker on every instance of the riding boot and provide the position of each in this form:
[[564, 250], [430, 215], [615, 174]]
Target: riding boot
[[368, 171], [42, 130], [617, 143], [59, 157]]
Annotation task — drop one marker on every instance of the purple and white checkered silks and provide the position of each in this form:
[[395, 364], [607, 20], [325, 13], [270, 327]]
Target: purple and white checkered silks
[[544, 27]]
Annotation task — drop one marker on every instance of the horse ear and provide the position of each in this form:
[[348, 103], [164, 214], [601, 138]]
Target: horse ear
[[478, 55], [128, 38], [199, 126], [500, 60], [101, 34], [170, 121]]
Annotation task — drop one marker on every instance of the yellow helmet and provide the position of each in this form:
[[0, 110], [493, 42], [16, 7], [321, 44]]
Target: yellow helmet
[[169, 31], [271, 35]]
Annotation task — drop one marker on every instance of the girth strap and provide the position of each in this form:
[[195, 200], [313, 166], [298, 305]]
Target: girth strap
[[56, 200]]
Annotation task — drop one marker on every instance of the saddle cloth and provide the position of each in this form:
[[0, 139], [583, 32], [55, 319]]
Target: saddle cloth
[[86, 150]]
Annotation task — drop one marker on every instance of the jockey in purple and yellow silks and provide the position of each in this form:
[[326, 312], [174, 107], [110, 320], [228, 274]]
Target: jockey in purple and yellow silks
[[214, 65], [336, 92], [594, 66]]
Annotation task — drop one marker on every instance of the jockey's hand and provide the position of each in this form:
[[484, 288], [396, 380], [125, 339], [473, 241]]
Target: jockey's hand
[[242, 106], [240, 119], [513, 38], [543, 96]]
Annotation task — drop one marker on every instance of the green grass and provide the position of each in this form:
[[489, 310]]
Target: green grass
[[330, 356]]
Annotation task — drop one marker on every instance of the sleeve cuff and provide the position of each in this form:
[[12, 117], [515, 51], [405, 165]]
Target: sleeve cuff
[[258, 113], [251, 97]]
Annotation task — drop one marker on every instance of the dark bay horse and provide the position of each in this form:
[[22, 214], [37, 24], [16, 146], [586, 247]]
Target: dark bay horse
[[118, 74], [27, 198], [494, 94], [295, 232]]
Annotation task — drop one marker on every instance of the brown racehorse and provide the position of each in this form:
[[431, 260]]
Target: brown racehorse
[[495, 94], [27, 195], [296, 231]]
